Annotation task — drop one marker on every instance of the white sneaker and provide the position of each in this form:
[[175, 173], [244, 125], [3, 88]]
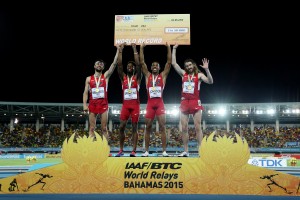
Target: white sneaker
[[146, 154], [183, 154], [164, 154]]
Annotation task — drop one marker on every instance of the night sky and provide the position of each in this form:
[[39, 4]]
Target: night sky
[[47, 51]]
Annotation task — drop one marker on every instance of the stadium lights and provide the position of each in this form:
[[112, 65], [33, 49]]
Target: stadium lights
[[246, 112], [143, 112], [115, 111], [222, 111], [293, 111], [259, 112], [270, 111], [296, 111], [175, 112], [234, 111], [212, 112]]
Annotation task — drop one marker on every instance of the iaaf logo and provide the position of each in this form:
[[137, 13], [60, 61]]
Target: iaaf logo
[[152, 165], [124, 18], [268, 162]]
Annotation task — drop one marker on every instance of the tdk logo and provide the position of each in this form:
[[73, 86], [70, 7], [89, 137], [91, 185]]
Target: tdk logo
[[268, 162]]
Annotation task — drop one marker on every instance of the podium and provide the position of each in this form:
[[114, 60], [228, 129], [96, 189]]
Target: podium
[[87, 168]]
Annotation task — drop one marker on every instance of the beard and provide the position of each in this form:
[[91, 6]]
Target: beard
[[190, 71], [98, 70], [130, 72]]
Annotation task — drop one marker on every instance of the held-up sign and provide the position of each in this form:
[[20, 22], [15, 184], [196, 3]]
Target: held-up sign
[[156, 29]]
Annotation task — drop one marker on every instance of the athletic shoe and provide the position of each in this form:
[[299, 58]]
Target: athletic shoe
[[183, 154], [146, 154], [121, 153], [132, 154], [164, 154]]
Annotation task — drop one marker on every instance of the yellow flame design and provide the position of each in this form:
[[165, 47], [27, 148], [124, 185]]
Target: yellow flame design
[[222, 168]]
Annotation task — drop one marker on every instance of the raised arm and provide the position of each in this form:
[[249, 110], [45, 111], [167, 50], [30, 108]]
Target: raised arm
[[208, 78], [85, 94], [137, 63], [135, 54], [174, 62], [142, 61], [169, 62], [112, 67], [120, 64]]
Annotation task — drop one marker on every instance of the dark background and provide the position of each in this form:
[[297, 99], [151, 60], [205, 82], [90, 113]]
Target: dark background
[[48, 50]]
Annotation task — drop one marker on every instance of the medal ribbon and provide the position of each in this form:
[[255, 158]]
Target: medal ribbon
[[154, 80], [129, 81], [97, 81], [190, 78]]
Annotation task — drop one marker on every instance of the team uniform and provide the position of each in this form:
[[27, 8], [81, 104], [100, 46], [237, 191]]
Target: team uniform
[[131, 99], [98, 102], [155, 104], [190, 94]]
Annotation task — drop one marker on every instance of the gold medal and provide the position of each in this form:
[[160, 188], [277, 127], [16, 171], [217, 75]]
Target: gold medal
[[97, 90], [189, 87], [129, 91]]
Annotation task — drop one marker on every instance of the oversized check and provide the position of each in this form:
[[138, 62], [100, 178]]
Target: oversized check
[[153, 29]]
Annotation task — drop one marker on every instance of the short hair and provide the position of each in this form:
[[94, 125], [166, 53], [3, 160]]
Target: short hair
[[100, 60], [133, 63], [155, 62]]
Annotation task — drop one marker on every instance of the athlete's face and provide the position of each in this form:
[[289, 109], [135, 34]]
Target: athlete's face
[[155, 67], [189, 66], [99, 66], [130, 68]]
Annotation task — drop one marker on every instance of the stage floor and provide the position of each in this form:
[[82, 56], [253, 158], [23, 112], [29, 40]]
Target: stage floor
[[141, 196]]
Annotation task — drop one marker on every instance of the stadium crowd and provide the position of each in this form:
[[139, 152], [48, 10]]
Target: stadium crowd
[[51, 136]]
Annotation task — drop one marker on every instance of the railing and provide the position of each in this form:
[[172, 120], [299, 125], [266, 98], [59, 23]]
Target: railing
[[6, 171]]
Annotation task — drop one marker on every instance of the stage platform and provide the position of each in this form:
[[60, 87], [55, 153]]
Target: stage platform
[[222, 171], [142, 197]]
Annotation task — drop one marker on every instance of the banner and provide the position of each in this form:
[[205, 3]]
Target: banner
[[152, 29]]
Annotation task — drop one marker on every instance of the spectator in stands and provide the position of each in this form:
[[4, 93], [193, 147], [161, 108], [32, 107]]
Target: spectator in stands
[[155, 83], [190, 96], [131, 100], [96, 91]]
